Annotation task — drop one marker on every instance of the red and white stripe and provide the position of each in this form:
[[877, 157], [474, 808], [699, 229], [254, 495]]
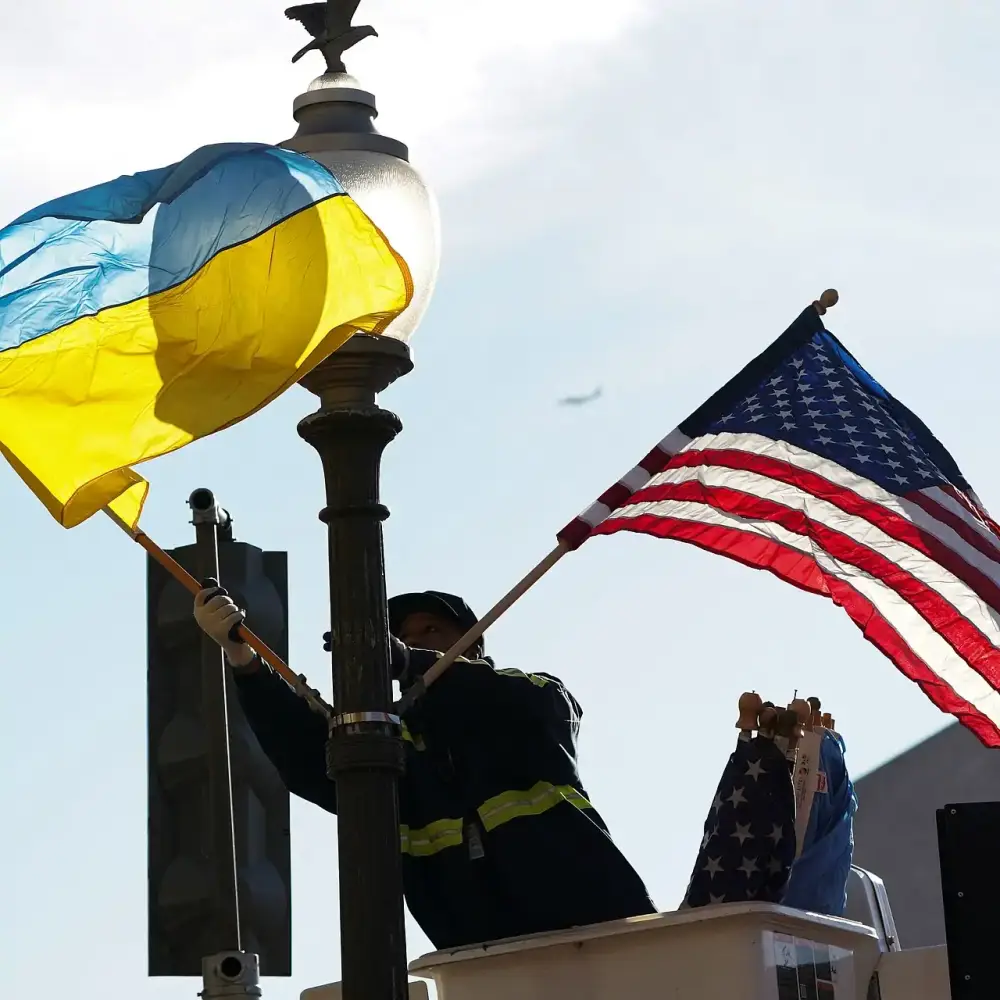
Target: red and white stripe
[[919, 574], [582, 527]]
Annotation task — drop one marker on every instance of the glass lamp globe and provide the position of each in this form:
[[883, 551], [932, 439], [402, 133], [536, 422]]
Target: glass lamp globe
[[336, 128]]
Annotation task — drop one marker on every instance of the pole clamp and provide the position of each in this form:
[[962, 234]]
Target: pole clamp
[[347, 720]]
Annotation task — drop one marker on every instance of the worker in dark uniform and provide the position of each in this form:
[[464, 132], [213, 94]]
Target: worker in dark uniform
[[499, 838]]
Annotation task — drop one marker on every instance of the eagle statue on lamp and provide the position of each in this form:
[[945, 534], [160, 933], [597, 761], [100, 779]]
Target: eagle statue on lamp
[[330, 25]]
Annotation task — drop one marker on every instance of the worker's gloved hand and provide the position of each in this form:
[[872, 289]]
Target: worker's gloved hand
[[399, 657], [399, 654], [218, 617]]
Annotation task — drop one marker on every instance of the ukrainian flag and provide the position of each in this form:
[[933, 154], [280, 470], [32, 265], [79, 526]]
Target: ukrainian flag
[[147, 312]]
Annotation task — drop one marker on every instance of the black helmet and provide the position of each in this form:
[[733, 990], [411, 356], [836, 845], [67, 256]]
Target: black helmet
[[431, 602]]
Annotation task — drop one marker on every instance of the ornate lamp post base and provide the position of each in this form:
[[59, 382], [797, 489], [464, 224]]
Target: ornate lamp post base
[[365, 753]]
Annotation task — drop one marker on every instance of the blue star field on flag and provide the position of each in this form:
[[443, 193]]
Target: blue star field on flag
[[749, 837], [820, 399]]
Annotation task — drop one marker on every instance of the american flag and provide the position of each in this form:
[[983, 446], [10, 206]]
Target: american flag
[[749, 839], [805, 466]]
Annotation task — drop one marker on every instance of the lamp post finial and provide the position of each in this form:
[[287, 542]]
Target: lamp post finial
[[329, 23]]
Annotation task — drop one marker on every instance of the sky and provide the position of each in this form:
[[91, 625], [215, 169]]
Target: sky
[[634, 195]]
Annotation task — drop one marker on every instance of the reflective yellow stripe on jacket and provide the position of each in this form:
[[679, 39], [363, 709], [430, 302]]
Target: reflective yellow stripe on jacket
[[432, 838], [494, 812], [506, 806], [416, 741], [534, 678]]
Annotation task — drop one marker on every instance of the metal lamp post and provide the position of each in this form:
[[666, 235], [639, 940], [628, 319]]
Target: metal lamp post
[[350, 431]]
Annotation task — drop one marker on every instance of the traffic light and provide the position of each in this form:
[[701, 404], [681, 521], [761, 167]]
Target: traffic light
[[182, 905]]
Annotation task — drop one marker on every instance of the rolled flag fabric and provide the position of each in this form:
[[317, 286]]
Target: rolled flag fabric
[[150, 311], [818, 880], [749, 837]]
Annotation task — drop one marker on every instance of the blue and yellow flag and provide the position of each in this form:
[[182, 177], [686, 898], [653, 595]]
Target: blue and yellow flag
[[155, 309]]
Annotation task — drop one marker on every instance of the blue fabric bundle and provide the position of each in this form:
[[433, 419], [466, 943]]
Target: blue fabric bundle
[[818, 880]]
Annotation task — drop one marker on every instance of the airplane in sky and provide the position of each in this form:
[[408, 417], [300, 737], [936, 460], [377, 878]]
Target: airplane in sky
[[581, 400]]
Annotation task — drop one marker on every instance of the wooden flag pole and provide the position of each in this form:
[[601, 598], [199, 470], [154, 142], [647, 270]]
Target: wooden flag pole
[[827, 300], [297, 682], [476, 632]]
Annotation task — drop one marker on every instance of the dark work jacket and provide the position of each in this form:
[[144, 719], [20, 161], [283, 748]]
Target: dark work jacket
[[498, 836]]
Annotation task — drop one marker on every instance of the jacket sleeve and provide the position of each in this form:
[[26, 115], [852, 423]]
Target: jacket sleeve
[[291, 734], [530, 720]]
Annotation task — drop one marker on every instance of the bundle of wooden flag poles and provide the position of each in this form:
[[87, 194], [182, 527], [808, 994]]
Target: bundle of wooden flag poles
[[797, 731], [780, 828]]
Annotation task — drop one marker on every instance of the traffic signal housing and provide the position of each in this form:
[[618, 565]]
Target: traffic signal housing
[[182, 907]]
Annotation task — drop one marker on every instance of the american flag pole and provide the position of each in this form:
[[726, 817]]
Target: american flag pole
[[569, 539], [417, 689]]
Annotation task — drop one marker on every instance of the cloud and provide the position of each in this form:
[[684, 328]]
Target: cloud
[[475, 84], [113, 87], [745, 154]]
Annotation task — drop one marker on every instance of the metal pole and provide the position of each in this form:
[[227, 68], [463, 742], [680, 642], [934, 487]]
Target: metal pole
[[207, 518], [365, 753]]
